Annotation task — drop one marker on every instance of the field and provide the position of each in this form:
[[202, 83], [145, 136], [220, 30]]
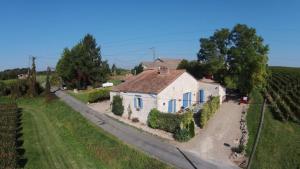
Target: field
[[283, 92], [55, 136], [279, 143], [10, 156], [82, 95]]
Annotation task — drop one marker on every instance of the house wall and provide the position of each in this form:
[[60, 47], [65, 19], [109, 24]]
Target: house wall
[[149, 102], [212, 89], [183, 84]]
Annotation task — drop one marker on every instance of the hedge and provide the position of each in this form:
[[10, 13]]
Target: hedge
[[164, 121], [98, 95], [16, 88], [117, 105], [209, 109], [177, 124]]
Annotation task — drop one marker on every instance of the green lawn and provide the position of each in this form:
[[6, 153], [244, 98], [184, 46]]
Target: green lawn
[[9, 81], [55, 136], [82, 95], [41, 78], [279, 144], [253, 116]]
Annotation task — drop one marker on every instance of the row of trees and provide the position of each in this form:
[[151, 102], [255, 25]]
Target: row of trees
[[237, 58], [12, 73]]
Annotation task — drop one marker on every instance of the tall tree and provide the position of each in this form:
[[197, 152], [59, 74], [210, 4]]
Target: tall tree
[[247, 58], [47, 86], [114, 69], [82, 65], [238, 57], [137, 69], [33, 87]]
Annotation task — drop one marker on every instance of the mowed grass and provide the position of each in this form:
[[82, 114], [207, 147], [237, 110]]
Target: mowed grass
[[82, 95], [55, 136], [279, 144], [253, 117]]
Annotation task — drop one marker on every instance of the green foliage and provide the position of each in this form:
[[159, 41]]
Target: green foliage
[[98, 95], [283, 93], [196, 69], [117, 105], [182, 135], [192, 129], [137, 69], [16, 88], [208, 110], [55, 79], [239, 55], [47, 86], [173, 123], [164, 121], [253, 117], [82, 65], [12, 73], [33, 90]]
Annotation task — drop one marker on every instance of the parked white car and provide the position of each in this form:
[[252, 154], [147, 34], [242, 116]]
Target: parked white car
[[107, 84]]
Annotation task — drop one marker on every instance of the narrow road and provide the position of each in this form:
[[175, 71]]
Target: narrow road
[[143, 141]]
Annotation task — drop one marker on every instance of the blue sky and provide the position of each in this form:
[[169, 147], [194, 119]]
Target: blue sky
[[126, 30]]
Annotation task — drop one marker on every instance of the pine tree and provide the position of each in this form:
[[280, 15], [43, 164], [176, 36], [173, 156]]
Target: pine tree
[[32, 80], [47, 86]]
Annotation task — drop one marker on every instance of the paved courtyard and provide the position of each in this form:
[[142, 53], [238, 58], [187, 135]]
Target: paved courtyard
[[222, 128]]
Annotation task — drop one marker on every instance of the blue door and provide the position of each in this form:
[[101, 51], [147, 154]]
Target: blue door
[[201, 96], [172, 106], [187, 99]]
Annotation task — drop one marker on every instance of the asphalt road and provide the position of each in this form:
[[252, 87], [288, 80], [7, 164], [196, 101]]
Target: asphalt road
[[151, 145]]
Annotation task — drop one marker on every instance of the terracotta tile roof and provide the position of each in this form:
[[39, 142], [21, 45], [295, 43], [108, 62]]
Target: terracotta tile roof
[[149, 81], [167, 62]]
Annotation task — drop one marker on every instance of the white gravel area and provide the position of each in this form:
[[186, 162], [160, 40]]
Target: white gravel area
[[104, 107]]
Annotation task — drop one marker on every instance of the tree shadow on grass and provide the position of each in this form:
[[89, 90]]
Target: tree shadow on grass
[[21, 161]]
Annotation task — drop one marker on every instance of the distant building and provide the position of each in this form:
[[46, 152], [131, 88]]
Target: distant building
[[22, 76], [161, 62]]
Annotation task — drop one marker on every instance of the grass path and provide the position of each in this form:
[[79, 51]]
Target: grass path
[[57, 137], [44, 146]]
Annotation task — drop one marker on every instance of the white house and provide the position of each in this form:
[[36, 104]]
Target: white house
[[164, 89]]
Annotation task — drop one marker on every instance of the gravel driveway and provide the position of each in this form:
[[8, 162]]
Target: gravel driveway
[[223, 127]]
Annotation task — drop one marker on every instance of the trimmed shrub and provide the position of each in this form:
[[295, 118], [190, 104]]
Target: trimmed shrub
[[209, 109], [182, 135], [98, 95], [182, 126], [192, 129], [164, 121], [117, 105]]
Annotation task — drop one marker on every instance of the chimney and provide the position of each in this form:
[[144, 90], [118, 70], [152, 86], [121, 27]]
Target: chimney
[[163, 70]]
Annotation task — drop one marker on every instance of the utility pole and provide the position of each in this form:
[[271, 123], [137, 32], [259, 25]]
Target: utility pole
[[153, 53], [29, 65]]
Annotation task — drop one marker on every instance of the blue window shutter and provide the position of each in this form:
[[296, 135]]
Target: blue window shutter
[[184, 100], [170, 106], [190, 98], [141, 103], [201, 96], [135, 102]]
